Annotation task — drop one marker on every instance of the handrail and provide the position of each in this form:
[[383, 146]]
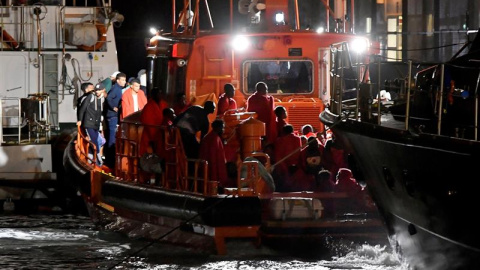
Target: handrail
[[189, 175], [82, 147]]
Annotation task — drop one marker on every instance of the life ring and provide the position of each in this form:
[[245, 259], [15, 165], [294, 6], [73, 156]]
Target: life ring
[[102, 33], [9, 40]]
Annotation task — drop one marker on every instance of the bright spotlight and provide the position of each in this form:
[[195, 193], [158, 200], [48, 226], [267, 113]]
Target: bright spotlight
[[153, 30], [359, 45], [320, 29], [240, 43]]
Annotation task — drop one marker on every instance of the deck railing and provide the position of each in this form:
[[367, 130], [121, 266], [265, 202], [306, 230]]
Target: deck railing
[[366, 105], [179, 172], [85, 149]]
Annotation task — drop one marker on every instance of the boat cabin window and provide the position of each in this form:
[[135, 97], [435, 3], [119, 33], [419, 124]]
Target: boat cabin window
[[281, 76]]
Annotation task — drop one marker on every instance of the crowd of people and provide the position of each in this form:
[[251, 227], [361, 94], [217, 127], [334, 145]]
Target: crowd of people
[[303, 160], [101, 106]]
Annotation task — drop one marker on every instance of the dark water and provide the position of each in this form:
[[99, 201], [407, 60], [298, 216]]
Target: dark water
[[74, 242]]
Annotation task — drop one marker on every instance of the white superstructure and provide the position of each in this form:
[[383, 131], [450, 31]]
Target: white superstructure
[[46, 52]]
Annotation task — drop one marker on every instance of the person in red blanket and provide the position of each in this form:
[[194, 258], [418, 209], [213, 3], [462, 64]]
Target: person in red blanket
[[180, 103], [307, 130], [281, 114], [263, 104], [211, 150], [287, 157], [226, 101], [152, 115]]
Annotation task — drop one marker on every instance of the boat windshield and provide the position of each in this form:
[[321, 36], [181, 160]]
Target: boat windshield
[[281, 76]]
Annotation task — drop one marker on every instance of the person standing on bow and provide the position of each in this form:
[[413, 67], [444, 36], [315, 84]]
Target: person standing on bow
[[108, 82], [90, 116], [133, 99], [226, 101], [112, 108], [263, 104]]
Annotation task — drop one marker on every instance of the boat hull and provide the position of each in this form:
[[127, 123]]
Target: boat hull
[[425, 187]]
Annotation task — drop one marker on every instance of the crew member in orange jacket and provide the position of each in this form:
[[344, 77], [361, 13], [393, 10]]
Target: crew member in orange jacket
[[132, 99], [211, 150], [263, 104]]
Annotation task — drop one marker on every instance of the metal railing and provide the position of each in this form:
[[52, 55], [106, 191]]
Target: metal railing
[[369, 107]]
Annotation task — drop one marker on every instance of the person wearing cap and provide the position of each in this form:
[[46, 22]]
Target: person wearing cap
[[133, 99], [89, 116], [108, 82]]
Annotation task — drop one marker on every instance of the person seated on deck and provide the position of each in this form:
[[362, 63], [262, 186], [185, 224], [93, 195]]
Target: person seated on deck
[[226, 101], [333, 157], [191, 121], [304, 178], [324, 183], [211, 150], [281, 114], [311, 157], [345, 182], [307, 130], [287, 158], [304, 140]]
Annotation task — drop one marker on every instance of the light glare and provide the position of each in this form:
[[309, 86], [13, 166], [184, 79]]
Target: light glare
[[240, 43], [359, 45], [279, 17]]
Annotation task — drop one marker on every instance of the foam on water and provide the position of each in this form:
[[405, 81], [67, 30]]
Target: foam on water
[[69, 242]]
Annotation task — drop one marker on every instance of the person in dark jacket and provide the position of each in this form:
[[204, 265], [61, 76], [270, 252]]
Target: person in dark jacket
[[191, 121], [90, 116], [112, 108], [86, 88]]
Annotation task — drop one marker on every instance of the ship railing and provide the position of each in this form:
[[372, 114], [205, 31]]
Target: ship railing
[[85, 149], [366, 103], [179, 172], [127, 144]]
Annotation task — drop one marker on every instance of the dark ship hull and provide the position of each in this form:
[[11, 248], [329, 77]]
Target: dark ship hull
[[425, 187]]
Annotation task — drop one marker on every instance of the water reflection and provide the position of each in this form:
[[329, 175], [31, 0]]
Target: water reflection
[[74, 242]]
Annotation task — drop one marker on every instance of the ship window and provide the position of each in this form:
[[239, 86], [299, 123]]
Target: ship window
[[281, 76]]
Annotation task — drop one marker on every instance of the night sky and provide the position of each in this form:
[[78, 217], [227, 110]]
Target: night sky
[[139, 16], [130, 36]]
